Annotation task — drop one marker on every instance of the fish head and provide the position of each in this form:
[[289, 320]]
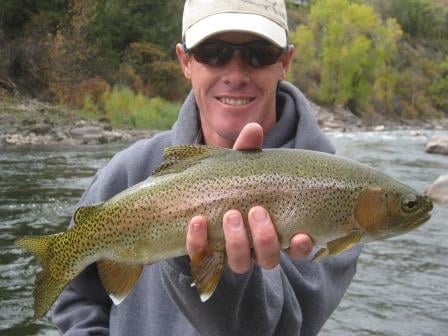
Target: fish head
[[384, 213]]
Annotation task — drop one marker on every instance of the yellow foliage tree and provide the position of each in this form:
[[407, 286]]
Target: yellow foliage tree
[[347, 50], [70, 54]]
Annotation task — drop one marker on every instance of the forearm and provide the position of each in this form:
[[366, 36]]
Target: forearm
[[295, 298]]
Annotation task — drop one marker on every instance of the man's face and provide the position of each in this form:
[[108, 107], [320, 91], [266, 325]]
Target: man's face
[[231, 95]]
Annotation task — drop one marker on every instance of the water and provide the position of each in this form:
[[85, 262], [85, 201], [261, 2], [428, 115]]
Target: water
[[401, 286]]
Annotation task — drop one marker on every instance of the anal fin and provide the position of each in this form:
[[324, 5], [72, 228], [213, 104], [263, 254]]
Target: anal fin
[[207, 268], [118, 278], [339, 245]]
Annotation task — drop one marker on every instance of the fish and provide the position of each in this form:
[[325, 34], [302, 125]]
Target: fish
[[338, 202]]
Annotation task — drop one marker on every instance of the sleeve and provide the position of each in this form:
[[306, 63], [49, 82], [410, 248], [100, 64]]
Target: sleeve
[[83, 307], [295, 298]]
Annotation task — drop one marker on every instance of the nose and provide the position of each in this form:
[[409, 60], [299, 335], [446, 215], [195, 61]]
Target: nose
[[236, 71], [428, 203]]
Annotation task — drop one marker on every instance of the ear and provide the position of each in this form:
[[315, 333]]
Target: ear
[[285, 61], [184, 60]]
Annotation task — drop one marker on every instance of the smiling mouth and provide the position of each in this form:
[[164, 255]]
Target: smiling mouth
[[235, 101]]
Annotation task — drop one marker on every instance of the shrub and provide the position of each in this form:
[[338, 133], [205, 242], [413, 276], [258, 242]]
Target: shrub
[[127, 109]]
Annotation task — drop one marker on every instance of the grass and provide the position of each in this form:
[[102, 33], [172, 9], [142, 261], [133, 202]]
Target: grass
[[127, 109]]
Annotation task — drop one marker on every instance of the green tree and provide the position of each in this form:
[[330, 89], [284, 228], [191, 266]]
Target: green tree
[[426, 19], [120, 22], [439, 89], [15, 15], [350, 49]]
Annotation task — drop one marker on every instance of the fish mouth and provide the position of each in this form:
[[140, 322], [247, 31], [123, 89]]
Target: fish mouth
[[418, 221]]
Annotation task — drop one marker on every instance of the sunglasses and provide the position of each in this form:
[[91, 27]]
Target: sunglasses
[[258, 53]]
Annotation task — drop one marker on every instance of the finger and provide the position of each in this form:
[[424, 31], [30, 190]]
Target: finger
[[251, 137], [237, 242], [301, 246], [197, 235], [264, 236]]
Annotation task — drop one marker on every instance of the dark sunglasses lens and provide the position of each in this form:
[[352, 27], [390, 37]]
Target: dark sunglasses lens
[[212, 53], [256, 54], [263, 54]]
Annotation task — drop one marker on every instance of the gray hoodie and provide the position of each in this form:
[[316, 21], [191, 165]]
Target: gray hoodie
[[295, 298]]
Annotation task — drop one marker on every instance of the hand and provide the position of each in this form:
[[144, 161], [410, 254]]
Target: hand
[[265, 240]]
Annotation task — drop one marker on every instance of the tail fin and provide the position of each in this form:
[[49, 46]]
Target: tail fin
[[50, 282]]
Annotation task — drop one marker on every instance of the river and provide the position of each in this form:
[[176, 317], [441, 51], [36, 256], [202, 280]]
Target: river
[[401, 285]]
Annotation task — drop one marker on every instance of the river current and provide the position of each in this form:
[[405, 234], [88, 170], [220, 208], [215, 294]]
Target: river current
[[401, 285]]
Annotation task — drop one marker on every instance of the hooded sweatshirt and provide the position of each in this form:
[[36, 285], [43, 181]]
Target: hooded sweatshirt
[[294, 298]]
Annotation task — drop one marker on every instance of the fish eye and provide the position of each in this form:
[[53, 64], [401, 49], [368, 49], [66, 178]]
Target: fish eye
[[409, 203]]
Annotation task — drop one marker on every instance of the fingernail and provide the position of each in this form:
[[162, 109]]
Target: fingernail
[[234, 221], [305, 248], [260, 215], [196, 226]]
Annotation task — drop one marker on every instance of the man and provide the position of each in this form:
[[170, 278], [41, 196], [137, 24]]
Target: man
[[235, 53]]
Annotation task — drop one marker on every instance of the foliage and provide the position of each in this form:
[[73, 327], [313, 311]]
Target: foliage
[[121, 22], [71, 56], [348, 49], [126, 109], [426, 19], [439, 89], [349, 52], [160, 77], [56, 45], [15, 15]]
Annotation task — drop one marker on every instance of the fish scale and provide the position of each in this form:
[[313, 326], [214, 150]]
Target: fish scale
[[338, 202]]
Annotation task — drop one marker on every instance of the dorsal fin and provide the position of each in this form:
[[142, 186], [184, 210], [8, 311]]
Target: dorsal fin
[[180, 157], [84, 213]]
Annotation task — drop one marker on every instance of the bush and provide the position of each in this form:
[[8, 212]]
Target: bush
[[160, 76], [127, 109]]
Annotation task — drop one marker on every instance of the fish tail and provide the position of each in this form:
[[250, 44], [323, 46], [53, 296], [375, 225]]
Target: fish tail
[[51, 280]]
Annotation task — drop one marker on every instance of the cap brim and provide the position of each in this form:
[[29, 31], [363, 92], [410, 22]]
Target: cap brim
[[241, 22]]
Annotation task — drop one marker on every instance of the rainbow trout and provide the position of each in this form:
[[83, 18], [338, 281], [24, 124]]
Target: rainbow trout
[[338, 202]]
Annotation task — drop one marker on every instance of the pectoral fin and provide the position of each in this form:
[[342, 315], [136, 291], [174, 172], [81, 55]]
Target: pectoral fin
[[340, 245], [118, 278], [207, 268]]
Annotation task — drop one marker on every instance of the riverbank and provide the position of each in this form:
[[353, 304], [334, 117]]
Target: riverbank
[[29, 122]]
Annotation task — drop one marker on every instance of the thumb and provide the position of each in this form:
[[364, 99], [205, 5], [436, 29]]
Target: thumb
[[250, 137]]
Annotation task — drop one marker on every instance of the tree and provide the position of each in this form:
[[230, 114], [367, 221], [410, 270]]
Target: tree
[[350, 49], [72, 57], [439, 89], [419, 18], [121, 22]]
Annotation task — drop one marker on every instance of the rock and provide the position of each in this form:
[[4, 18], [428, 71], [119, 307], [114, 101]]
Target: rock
[[86, 131], [26, 140], [88, 134], [28, 122], [7, 119], [41, 129], [438, 144], [58, 134], [80, 123], [438, 191], [107, 127]]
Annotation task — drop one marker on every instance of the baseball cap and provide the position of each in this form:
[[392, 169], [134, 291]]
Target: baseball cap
[[204, 18]]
